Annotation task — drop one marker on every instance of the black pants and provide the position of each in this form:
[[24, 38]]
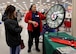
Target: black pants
[[35, 34]]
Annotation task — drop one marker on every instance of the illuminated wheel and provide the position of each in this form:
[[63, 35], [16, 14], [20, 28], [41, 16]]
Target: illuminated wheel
[[55, 16]]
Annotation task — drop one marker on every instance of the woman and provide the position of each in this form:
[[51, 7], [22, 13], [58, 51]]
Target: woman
[[12, 30], [33, 18]]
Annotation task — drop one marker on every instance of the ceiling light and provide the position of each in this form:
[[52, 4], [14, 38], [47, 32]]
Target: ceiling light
[[36, 5], [38, 2], [23, 2], [56, 2], [26, 6], [8, 2], [48, 4], [22, 7], [17, 3], [47, 0], [12, 4], [68, 2], [17, 7], [3, 3], [31, 0], [44, 3], [14, 0], [53, 2], [63, 0], [31, 3]]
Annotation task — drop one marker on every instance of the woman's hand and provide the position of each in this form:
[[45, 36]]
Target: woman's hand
[[45, 14], [35, 24]]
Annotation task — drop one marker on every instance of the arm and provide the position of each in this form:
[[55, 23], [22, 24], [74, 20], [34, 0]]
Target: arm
[[4, 17], [27, 19], [43, 16], [12, 26]]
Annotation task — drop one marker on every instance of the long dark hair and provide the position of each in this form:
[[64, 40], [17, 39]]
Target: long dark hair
[[10, 11], [31, 7]]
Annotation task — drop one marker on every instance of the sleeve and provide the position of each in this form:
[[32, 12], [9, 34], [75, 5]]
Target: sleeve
[[13, 27], [4, 17], [42, 16], [26, 18]]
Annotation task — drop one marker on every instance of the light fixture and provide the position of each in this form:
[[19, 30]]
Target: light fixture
[[53, 2], [56, 2], [0, 14], [12, 4], [47, 0], [31, 0], [14, 0], [26, 6], [17, 3], [38, 2], [22, 7], [68, 2], [23, 2], [36, 5], [3, 3], [63, 0], [31, 3], [44, 3], [8, 2], [17, 7], [48, 4]]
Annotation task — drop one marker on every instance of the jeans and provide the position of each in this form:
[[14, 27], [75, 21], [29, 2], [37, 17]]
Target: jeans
[[15, 50]]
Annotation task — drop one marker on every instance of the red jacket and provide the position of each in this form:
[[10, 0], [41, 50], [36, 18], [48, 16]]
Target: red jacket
[[29, 17]]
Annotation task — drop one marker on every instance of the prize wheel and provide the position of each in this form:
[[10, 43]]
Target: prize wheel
[[55, 16]]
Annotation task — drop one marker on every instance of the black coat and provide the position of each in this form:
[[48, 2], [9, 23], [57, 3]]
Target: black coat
[[12, 32], [4, 17]]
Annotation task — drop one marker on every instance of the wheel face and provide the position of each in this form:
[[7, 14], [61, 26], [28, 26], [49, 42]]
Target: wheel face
[[55, 16]]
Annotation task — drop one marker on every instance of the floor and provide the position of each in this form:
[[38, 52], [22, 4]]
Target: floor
[[4, 49]]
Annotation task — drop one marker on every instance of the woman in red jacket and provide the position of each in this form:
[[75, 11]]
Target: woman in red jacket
[[33, 18]]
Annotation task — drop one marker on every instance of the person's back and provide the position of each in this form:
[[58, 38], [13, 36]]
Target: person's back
[[12, 30]]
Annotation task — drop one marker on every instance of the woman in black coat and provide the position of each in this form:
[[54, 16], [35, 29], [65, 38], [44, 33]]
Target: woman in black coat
[[12, 30]]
